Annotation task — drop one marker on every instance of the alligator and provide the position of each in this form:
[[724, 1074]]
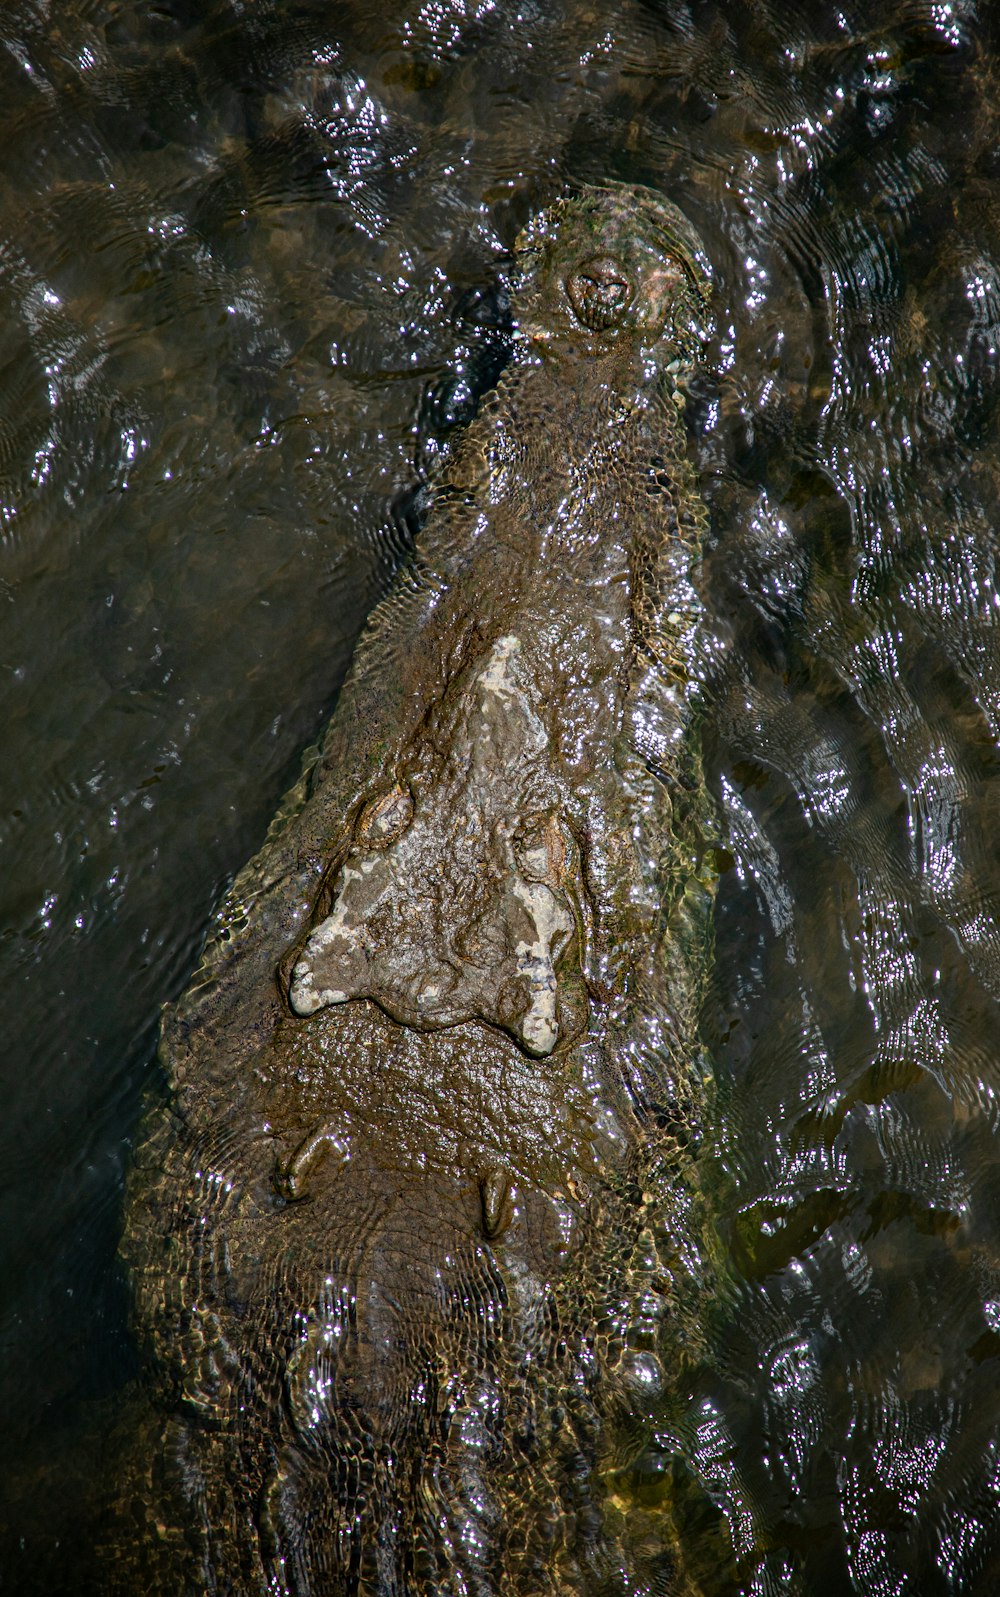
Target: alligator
[[415, 1236]]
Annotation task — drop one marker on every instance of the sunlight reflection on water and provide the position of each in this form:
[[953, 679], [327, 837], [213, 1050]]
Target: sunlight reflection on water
[[231, 251]]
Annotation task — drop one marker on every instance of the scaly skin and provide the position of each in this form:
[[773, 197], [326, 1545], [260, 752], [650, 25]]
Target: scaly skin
[[415, 1242]]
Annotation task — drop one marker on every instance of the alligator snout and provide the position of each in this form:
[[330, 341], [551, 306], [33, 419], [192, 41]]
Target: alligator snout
[[600, 291]]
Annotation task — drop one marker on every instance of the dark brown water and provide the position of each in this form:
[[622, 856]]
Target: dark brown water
[[246, 261]]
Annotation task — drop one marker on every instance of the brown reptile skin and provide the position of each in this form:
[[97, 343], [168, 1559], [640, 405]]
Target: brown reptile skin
[[416, 1242]]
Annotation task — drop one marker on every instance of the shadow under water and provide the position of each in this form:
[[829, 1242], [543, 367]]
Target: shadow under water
[[247, 269]]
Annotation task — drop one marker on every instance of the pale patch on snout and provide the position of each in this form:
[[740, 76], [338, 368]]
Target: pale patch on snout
[[335, 940], [451, 905], [539, 1025], [496, 678]]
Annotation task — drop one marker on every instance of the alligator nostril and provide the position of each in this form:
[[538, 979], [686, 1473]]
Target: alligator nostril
[[600, 292]]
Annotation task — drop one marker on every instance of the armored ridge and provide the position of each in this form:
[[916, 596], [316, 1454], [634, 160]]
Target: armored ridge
[[414, 1242]]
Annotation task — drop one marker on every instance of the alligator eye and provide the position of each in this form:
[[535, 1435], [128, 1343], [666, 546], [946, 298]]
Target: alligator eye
[[600, 292], [385, 818]]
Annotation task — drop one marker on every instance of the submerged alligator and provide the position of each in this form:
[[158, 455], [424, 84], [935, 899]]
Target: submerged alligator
[[414, 1241]]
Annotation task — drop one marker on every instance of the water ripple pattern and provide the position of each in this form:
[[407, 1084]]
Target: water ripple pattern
[[249, 269]]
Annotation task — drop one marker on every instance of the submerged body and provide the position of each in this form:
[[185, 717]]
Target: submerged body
[[412, 1242]]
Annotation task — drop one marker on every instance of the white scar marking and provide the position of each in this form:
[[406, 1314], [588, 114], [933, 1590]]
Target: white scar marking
[[495, 678], [539, 1025], [302, 995]]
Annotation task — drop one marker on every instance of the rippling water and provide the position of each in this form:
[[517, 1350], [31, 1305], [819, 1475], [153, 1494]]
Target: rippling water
[[246, 260]]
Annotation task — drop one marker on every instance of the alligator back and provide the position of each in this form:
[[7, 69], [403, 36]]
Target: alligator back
[[414, 1240]]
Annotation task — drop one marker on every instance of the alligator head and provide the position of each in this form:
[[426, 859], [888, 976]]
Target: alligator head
[[457, 899], [595, 277]]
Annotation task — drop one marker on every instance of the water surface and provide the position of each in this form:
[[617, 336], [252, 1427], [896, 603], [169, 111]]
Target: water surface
[[247, 270]]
